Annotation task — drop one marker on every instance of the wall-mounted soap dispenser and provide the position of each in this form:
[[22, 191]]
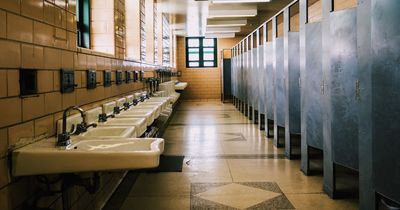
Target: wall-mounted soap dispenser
[[67, 81], [118, 77], [136, 76], [107, 78], [91, 82], [128, 76], [141, 76], [28, 82]]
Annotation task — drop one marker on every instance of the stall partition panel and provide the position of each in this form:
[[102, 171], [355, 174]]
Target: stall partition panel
[[312, 83], [385, 94], [343, 83], [261, 78], [254, 79], [269, 90], [279, 89], [292, 84]]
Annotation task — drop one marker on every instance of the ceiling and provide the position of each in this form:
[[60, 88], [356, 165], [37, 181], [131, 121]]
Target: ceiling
[[191, 16]]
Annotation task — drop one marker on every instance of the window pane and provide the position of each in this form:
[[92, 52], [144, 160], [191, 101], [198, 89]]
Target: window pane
[[208, 56], [193, 42], [194, 50], [194, 57], [208, 42], [193, 64], [208, 50], [209, 63]]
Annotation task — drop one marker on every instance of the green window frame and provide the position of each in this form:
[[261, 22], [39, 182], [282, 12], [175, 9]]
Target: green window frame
[[201, 52], [83, 23]]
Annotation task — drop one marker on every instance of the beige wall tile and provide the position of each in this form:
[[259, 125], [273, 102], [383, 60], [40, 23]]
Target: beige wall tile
[[12, 82], [32, 107], [91, 61], [21, 132], [32, 8], [52, 58], [60, 17], [60, 3], [43, 34], [80, 61], [68, 99], [78, 79], [32, 56], [52, 102], [10, 54], [3, 83], [82, 96], [83, 78], [3, 24], [45, 81], [67, 59], [3, 142], [19, 28], [11, 5], [10, 111], [4, 173], [72, 6], [71, 22], [45, 126], [48, 12], [72, 41], [4, 199], [56, 81]]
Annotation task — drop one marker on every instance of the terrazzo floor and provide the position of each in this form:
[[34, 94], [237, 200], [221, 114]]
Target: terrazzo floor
[[229, 164]]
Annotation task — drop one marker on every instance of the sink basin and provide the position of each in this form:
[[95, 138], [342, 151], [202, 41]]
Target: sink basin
[[109, 132], [181, 86], [155, 107], [163, 104], [148, 114], [138, 123], [43, 157]]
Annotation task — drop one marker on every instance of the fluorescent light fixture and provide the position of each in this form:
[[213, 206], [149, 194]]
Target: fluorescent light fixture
[[226, 23], [238, 1], [223, 30], [220, 35], [231, 15], [221, 11]]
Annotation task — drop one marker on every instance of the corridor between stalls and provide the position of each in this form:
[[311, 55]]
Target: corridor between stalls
[[319, 77]]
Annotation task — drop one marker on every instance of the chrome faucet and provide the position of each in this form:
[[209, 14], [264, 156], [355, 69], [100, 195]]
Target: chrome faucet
[[63, 139]]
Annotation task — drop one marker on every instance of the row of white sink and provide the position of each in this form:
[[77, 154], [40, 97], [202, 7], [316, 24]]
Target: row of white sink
[[111, 145]]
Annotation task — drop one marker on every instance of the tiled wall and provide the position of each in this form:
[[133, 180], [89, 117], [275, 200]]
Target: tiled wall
[[204, 83], [41, 34]]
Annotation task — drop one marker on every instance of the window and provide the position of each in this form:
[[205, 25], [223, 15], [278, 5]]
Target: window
[[83, 23], [142, 18], [201, 52]]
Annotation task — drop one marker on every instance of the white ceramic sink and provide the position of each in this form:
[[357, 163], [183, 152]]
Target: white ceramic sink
[[110, 132], [44, 157], [155, 107], [138, 123], [163, 104], [148, 114]]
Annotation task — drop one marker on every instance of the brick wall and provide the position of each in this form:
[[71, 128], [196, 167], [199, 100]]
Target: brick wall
[[41, 34], [204, 83]]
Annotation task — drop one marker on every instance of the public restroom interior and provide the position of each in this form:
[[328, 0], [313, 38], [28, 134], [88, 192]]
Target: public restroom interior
[[199, 104]]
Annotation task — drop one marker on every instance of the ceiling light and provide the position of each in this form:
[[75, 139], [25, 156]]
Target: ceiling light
[[223, 30], [221, 35], [221, 11], [231, 15], [226, 23], [238, 1]]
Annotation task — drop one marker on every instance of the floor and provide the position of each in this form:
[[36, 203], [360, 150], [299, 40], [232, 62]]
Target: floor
[[229, 164]]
